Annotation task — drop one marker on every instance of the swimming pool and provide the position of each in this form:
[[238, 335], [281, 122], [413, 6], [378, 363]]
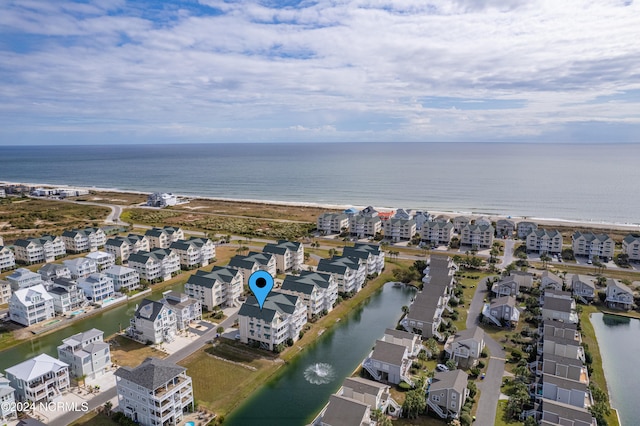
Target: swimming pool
[[190, 424], [108, 300], [74, 313]]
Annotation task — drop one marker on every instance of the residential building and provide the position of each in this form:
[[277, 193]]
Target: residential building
[[24, 278], [37, 250], [583, 287], [32, 305], [39, 379], [156, 265], [163, 237], [348, 272], [253, 262], [162, 199], [459, 222], [593, 245], [549, 280], [289, 255], [447, 393], [562, 346], [544, 241], [157, 392], [437, 232], [524, 228], [425, 313], [317, 291], [81, 267], [5, 292], [86, 354], [7, 259], [187, 310], [97, 287], [618, 295], [502, 310], [403, 214], [343, 411], [194, 252], [412, 341], [220, 287], [332, 223], [281, 318], [8, 411], [559, 413], [559, 309], [631, 246], [369, 253], [477, 236], [513, 284], [399, 229], [122, 247], [363, 226], [153, 322], [567, 391], [505, 228], [482, 221], [66, 295], [421, 217], [83, 240], [124, 278], [388, 363], [376, 395], [51, 271], [570, 368], [103, 259], [465, 347]]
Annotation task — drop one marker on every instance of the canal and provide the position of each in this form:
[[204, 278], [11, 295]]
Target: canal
[[110, 321], [619, 343], [300, 391]]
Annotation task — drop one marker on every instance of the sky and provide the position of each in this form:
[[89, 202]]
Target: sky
[[116, 71]]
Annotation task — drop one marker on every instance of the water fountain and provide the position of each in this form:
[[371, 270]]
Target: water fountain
[[319, 373]]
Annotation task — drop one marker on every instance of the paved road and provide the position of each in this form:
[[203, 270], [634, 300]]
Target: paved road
[[490, 386], [109, 393], [507, 258]]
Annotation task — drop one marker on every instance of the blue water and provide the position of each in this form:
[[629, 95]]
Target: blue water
[[567, 181]]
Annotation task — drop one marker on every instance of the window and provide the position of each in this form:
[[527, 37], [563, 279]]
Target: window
[[453, 396], [435, 398]]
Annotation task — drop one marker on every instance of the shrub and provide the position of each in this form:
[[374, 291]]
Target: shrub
[[466, 419], [481, 364], [404, 386]]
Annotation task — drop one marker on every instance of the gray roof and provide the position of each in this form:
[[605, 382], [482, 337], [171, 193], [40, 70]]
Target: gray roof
[[504, 300], [281, 247], [83, 337], [549, 233], [584, 279], [343, 411], [291, 283], [631, 238], [557, 304], [390, 353], [208, 279], [479, 227], [318, 278], [276, 302], [151, 374], [456, 379], [363, 386], [505, 222], [154, 232], [590, 236], [400, 334], [117, 242], [337, 264], [566, 411], [615, 283], [438, 225], [149, 309], [474, 333]]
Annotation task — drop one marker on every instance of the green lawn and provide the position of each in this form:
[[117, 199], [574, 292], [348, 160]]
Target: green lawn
[[500, 416], [94, 419]]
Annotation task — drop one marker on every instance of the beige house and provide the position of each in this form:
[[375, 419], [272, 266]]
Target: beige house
[[524, 228], [289, 255], [83, 240], [163, 237], [478, 236], [253, 262], [437, 232], [591, 245], [544, 241], [459, 222], [631, 246], [37, 250], [332, 223], [7, 259], [505, 228], [399, 229], [220, 287]]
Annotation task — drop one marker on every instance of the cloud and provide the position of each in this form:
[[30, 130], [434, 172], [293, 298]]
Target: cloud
[[351, 69]]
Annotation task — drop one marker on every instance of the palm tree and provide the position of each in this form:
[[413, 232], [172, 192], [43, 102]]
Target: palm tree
[[108, 406]]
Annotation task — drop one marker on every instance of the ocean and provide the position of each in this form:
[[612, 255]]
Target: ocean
[[590, 182]]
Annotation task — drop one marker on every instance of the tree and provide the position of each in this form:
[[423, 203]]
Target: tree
[[414, 403], [545, 258], [531, 421], [108, 406], [451, 364], [518, 398], [381, 418], [432, 347]]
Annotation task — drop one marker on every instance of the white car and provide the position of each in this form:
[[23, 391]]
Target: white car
[[442, 367]]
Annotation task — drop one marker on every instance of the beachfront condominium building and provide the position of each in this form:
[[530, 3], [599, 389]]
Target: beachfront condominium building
[[156, 265], [591, 245], [8, 411], [37, 250], [86, 353], [7, 259], [194, 252], [478, 236], [332, 223], [253, 262], [103, 259], [51, 271], [399, 229], [187, 309], [30, 306], [437, 232], [81, 267], [122, 247], [460, 222], [348, 272], [39, 379], [524, 228], [153, 322], [124, 278], [289, 255], [363, 227], [505, 228], [368, 253], [163, 237], [97, 287], [5, 292], [544, 241], [67, 296], [280, 320], [317, 291], [220, 287], [157, 392], [83, 240], [631, 247], [24, 278]]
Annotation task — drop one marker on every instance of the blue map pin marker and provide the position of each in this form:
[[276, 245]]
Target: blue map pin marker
[[261, 283]]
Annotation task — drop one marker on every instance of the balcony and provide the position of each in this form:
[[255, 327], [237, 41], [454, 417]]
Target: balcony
[[170, 386]]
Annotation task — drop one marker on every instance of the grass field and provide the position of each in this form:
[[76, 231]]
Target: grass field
[[94, 419], [126, 352], [500, 416]]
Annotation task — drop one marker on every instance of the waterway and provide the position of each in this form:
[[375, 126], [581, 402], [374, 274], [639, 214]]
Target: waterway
[[619, 343], [110, 321], [296, 395]]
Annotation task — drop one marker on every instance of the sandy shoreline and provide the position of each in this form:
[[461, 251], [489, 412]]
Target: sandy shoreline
[[549, 222]]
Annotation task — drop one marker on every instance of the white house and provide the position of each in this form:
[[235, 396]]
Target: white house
[[399, 229], [39, 379], [122, 247], [220, 287], [544, 241], [289, 255], [369, 253], [465, 347], [332, 223], [29, 306], [86, 354], [7, 259], [81, 267], [253, 262], [124, 278], [349, 272], [631, 247], [153, 322], [37, 250], [163, 237], [24, 278], [157, 392], [51, 271], [162, 199], [82, 240], [524, 228], [156, 265], [618, 295], [67, 296], [96, 287], [5, 292], [388, 363], [591, 245], [187, 309], [103, 259], [479, 236], [8, 411], [194, 252], [437, 232]]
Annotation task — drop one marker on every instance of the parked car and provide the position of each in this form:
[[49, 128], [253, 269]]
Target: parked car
[[442, 367]]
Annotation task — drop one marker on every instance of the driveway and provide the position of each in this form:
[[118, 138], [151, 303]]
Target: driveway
[[507, 258]]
